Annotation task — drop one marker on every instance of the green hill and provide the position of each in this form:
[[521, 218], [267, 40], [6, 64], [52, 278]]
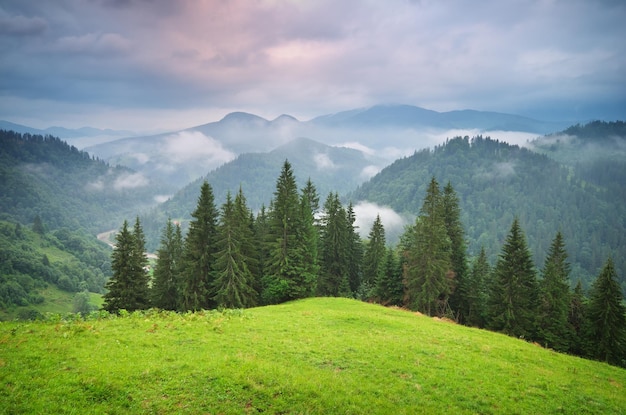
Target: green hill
[[322, 355], [42, 272]]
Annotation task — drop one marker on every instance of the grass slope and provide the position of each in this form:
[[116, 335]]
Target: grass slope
[[313, 356]]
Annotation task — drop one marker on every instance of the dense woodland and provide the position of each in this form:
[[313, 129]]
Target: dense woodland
[[297, 248], [524, 245], [497, 182], [31, 257], [46, 177]]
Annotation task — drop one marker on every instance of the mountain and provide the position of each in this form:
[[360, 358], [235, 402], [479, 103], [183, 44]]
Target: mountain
[[596, 151], [65, 187], [389, 131], [408, 116], [80, 137], [337, 169], [496, 182]]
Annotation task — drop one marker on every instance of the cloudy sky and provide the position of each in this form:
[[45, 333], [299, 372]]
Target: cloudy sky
[[149, 65]]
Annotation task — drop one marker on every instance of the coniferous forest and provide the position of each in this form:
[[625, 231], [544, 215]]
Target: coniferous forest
[[505, 278], [298, 247]]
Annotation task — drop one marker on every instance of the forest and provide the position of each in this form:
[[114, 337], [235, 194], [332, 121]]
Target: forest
[[480, 207], [297, 248]]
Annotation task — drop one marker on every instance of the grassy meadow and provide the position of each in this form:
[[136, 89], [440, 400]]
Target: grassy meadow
[[314, 356]]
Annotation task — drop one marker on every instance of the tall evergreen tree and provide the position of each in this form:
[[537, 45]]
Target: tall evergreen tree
[[164, 291], [374, 260], [310, 191], [577, 319], [307, 246], [478, 292], [513, 296], [261, 228], [427, 262], [607, 318], [127, 287], [288, 275], [333, 277], [233, 281], [198, 254], [458, 252], [142, 278], [554, 330], [389, 287], [355, 252]]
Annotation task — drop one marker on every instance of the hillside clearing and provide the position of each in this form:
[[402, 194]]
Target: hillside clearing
[[322, 355]]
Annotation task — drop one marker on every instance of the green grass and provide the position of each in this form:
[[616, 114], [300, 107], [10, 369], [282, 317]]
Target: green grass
[[56, 301], [316, 356]]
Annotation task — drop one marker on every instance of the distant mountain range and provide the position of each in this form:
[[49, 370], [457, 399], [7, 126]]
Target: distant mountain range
[[78, 137], [389, 131]]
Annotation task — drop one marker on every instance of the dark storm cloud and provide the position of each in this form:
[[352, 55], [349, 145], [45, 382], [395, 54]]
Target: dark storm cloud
[[101, 57]]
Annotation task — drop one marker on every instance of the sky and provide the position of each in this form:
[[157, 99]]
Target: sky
[[164, 65]]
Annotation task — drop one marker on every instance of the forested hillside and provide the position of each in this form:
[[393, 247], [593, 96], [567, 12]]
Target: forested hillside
[[46, 177], [332, 169], [595, 151], [497, 182], [53, 200], [32, 260]]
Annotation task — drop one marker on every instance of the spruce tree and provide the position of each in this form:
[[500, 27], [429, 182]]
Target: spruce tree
[[427, 262], [389, 288], [233, 284], [577, 319], [199, 247], [334, 241], [554, 330], [127, 287], [478, 293], [607, 318], [452, 218], [164, 291], [355, 252], [261, 239], [141, 280], [307, 246], [513, 296], [289, 272], [374, 259]]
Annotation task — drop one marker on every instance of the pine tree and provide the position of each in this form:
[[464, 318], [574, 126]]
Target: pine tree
[[289, 272], [389, 288], [513, 296], [355, 252], [164, 292], [261, 238], [427, 259], [554, 330], [198, 254], [307, 246], [452, 218], [126, 285], [141, 280], [607, 318], [334, 248], [374, 265], [310, 191], [577, 319], [234, 281], [478, 292]]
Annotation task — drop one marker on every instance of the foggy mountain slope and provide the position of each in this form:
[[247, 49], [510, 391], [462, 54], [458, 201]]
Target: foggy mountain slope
[[336, 169], [65, 187], [389, 131], [497, 182]]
